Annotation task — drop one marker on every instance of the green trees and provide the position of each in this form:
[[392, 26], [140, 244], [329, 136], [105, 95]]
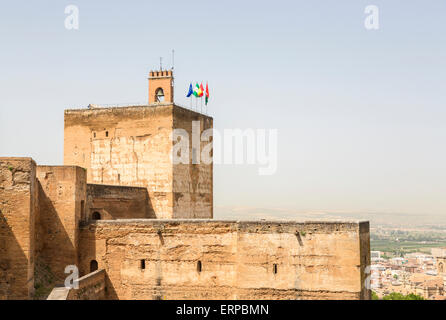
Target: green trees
[[399, 296]]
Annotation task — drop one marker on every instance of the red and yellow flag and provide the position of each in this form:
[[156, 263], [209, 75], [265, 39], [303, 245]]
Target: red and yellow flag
[[201, 91]]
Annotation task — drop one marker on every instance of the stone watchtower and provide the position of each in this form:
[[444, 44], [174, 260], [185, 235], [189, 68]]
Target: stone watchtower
[[161, 86], [132, 145]]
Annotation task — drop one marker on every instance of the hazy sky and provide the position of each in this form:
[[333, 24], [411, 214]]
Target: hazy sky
[[360, 113]]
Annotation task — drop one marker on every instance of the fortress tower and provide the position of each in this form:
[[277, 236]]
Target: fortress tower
[[119, 210], [161, 86], [131, 146]]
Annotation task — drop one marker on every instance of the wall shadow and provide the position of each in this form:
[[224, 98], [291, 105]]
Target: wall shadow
[[54, 249], [110, 292], [13, 264], [120, 202]]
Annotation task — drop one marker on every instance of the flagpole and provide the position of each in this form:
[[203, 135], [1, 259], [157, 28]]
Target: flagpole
[[202, 94]]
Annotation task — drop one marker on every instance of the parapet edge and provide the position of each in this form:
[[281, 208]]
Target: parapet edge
[[152, 107], [17, 159], [240, 222]]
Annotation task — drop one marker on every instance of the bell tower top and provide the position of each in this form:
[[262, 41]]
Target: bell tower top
[[161, 86]]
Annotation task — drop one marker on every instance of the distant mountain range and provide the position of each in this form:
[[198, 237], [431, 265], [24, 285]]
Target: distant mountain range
[[390, 219]]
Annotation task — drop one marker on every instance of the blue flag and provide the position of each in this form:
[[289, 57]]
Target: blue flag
[[190, 91]]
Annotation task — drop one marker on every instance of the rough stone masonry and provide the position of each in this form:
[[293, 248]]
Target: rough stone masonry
[[139, 227]]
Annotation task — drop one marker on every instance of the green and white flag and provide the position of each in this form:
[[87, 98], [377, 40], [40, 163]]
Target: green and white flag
[[197, 90]]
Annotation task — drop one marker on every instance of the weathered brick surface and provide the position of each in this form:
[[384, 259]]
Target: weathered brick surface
[[314, 260], [365, 261], [135, 153], [17, 222], [89, 287], [62, 198], [118, 202], [131, 146], [192, 183]]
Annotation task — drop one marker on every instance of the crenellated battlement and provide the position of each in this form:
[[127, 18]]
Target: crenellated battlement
[[160, 73]]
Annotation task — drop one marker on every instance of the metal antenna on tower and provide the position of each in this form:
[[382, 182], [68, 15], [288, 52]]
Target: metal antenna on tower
[[173, 79], [161, 63]]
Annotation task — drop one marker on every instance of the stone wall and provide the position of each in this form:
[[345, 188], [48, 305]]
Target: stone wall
[[118, 202], [90, 287], [124, 146], [40, 215], [206, 259], [365, 260], [17, 223], [62, 202], [193, 183], [131, 146]]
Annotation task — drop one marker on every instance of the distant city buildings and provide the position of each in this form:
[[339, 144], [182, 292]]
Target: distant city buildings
[[375, 255], [417, 273]]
